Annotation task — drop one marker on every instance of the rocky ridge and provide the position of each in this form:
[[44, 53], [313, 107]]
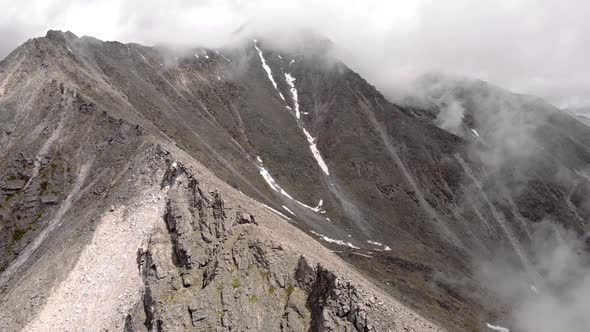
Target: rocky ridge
[[178, 250], [225, 276]]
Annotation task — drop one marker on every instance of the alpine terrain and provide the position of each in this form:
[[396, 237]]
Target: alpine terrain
[[263, 188]]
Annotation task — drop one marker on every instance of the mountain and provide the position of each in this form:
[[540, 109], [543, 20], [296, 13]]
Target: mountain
[[192, 190], [581, 113]]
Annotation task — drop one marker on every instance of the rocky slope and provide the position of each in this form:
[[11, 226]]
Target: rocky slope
[[102, 228], [412, 202], [180, 250]]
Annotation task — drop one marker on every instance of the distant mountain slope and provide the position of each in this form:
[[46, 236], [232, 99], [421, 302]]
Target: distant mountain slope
[[581, 113]]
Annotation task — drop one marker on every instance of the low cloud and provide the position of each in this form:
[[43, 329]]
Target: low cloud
[[555, 294], [524, 45]]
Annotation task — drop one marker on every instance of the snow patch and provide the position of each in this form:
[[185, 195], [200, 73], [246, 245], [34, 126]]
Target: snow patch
[[272, 183], [196, 56], [320, 203], [379, 244], [291, 83], [318, 208], [338, 242], [277, 212], [275, 186], [205, 53], [316, 153], [497, 328], [287, 209], [312, 146], [218, 78], [267, 68], [314, 209], [223, 56], [474, 132]]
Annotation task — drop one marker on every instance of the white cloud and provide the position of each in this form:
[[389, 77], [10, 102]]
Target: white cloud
[[525, 45]]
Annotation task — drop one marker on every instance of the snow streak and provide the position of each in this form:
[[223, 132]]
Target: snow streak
[[497, 328], [272, 183], [312, 145], [267, 68], [223, 56], [379, 244], [287, 209], [277, 212], [338, 242], [275, 186], [310, 139], [316, 153], [291, 82]]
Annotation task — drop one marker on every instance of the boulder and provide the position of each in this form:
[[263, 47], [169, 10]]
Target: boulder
[[49, 199]]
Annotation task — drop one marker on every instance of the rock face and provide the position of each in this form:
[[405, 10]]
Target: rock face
[[180, 250], [210, 269]]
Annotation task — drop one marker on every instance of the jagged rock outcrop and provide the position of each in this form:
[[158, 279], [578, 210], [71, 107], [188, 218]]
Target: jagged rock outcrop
[[210, 269]]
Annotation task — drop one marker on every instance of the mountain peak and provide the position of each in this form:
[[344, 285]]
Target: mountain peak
[[60, 35]]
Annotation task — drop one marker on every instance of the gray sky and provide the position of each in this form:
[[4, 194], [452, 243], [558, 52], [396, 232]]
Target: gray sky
[[537, 47]]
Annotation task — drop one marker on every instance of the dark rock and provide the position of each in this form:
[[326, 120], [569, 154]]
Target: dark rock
[[245, 218]]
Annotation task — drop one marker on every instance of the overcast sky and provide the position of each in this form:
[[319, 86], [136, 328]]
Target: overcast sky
[[537, 47]]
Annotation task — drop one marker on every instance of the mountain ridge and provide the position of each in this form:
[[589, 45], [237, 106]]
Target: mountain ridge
[[405, 202]]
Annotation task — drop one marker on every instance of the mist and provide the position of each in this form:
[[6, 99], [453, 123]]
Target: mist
[[524, 46], [548, 288], [556, 297]]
